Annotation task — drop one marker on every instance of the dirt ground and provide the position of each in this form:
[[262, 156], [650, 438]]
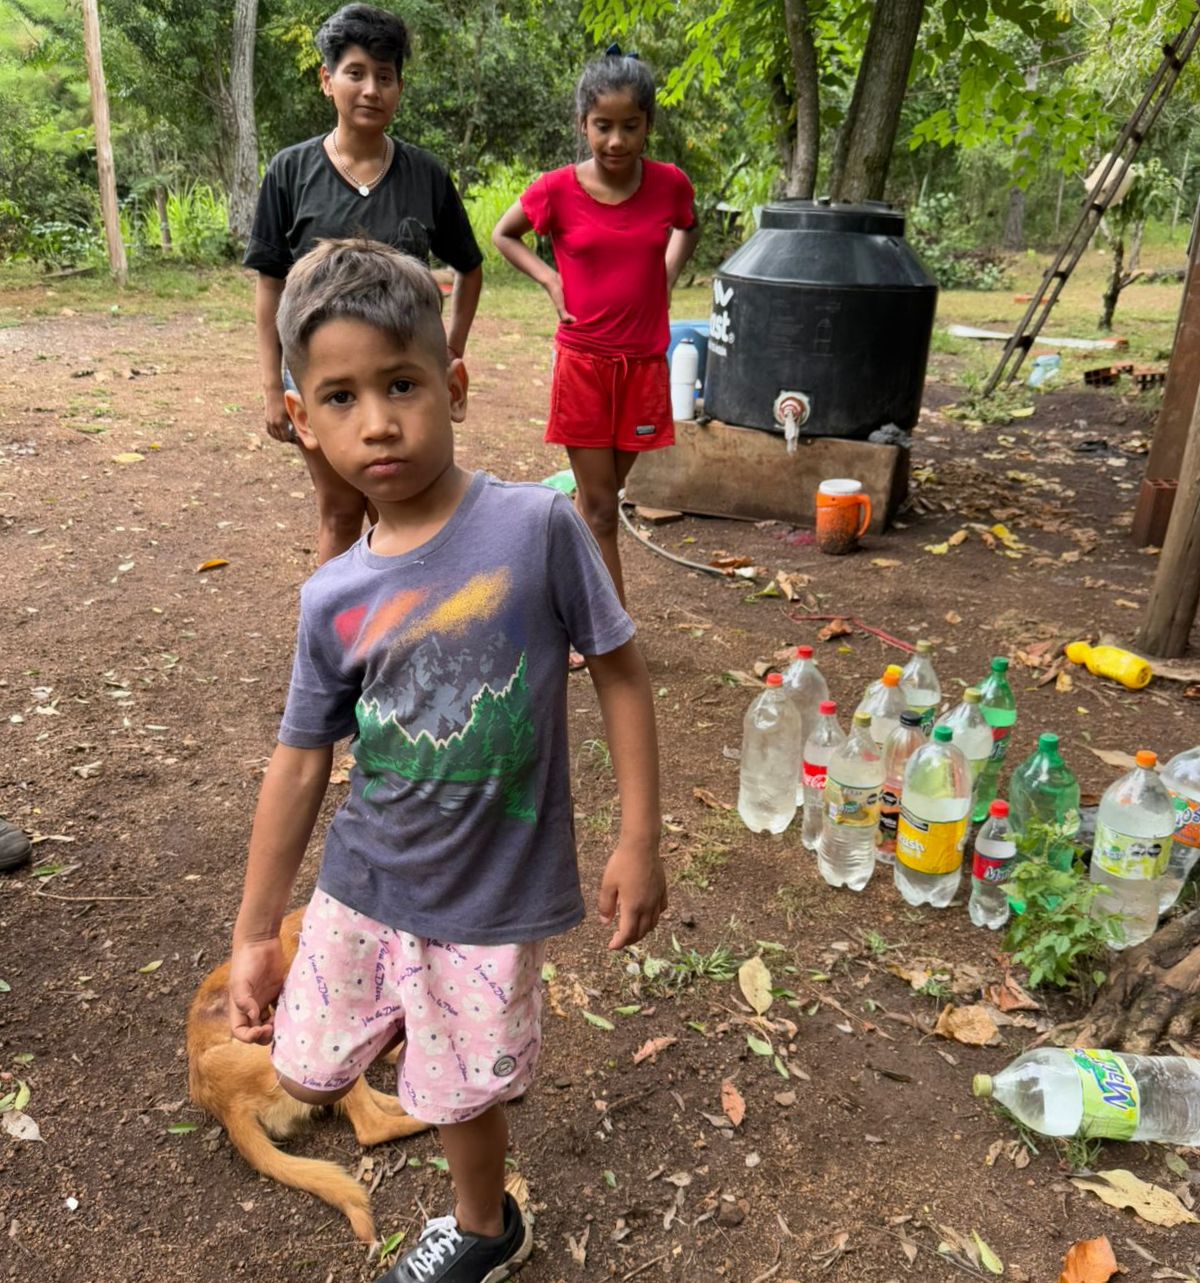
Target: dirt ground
[[140, 699]]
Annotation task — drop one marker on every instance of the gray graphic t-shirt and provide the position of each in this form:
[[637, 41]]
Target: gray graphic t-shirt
[[449, 665]]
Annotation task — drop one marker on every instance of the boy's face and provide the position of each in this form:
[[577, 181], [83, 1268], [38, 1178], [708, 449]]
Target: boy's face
[[365, 91], [381, 414]]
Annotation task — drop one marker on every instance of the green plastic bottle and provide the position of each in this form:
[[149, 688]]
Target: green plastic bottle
[[999, 709], [1043, 799]]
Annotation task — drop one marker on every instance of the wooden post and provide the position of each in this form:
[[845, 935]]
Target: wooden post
[[104, 156], [1171, 611]]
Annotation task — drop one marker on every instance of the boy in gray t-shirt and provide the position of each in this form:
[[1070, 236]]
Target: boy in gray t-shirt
[[439, 640]]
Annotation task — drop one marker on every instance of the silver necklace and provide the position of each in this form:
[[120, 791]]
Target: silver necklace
[[363, 189]]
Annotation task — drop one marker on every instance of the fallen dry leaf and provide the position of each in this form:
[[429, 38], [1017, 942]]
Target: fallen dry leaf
[[958, 537], [1089, 1261], [792, 584], [1111, 757], [1119, 1188], [128, 456], [708, 799], [754, 980], [518, 1187], [953, 617], [213, 563], [972, 1026], [578, 1246], [1009, 996], [341, 769], [19, 1125], [1126, 603], [732, 1103], [649, 1050], [1063, 682], [885, 562], [727, 561], [938, 549], [835, 628]]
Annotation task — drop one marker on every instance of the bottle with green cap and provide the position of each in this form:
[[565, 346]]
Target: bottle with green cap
[[1043, 799], [999, 709], [934, 809], [1100, 1094]]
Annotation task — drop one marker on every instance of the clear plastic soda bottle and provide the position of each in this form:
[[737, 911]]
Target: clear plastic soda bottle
[[922, 690], [1088, 1092], [846, 852], [995, 854], [807, 687], [1043, 799], [872, 687], [902, 743], [933, 822], [999, 709], [827, 736], [1134, 829], [972, 734], [771, 749], [1181, 775], [884, 701]]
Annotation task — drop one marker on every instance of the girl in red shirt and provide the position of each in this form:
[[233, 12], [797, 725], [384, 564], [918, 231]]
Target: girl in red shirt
[[622, 228]]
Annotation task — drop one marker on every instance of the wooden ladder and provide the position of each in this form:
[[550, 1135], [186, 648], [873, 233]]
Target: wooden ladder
[[1095, 205]]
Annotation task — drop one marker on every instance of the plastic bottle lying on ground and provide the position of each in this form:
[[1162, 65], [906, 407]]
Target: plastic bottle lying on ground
[[1111, 661], [1092, 1093]]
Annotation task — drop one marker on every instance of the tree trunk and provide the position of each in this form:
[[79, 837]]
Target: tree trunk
[[104, 156], [1151, 996], [1112, 291], [164, 223], [1014, 226], [868, 134], [244, 186], [802, 175]]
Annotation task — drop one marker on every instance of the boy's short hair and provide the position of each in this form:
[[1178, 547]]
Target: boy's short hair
[[359, 280], [383, 35]]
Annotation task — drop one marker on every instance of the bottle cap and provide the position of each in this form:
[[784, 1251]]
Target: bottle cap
[[774, 679], [1048, 742], [804, 652], [891, 679], [924, 647], [827, 707], [981, 1085], [999, 807], [862, 718], [971, 695], [909, 718], [894, 668], [999, 664], [943, 734], [1147, 759]]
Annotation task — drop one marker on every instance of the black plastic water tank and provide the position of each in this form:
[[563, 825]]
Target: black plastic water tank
[[828, 302]]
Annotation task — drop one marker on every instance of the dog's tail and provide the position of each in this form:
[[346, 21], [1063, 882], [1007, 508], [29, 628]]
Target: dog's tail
[[326, 1180]]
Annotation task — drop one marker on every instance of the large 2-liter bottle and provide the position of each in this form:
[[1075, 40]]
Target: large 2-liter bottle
[[807, 687], [1092, 1093], [771, 749], [847, 850], [922, 690], [999, 709], [1043, 799], [826, 738], [1181, 775], [934, 811]]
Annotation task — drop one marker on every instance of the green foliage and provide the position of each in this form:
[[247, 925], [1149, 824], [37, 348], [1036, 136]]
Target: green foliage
[[940, 233], [666, 977], [488, 201], [1061, 937]]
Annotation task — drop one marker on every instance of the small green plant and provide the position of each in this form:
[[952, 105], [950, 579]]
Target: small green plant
[[1001, 407], [600, 821], [1080, 1153], [596, 750], [877, 944], [684, 968], [936, 987], [1060, 936], [703, 864]]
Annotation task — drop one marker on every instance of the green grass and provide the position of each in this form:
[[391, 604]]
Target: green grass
[[702, 865]]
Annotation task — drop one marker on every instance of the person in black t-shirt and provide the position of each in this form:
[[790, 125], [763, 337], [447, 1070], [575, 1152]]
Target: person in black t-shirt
[[356, 180]]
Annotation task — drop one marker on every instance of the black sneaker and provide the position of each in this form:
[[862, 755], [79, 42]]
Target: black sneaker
[[446, 1254]]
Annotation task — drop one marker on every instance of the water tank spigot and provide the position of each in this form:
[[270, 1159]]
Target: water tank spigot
[[792, 410]]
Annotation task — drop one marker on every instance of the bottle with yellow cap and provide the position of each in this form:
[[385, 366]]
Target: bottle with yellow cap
[[1111, 661], [1134, 828]]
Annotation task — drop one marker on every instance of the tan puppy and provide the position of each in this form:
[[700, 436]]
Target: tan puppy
[[236, 1083]]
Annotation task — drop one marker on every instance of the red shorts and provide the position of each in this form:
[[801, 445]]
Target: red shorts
[[610, 402]]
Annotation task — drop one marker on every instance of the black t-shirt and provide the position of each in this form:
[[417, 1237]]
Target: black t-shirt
[[303, 199]]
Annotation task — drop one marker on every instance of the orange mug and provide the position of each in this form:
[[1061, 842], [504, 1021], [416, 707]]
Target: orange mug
[[843, 515]]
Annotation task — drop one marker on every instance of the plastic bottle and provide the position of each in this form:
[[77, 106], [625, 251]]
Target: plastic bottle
[[846, 852], [807, 688], [1092, 1093], [1181, 775], [884, 701], [685, 365], [827, 736], [920, 685], [1134, 828], [1111, 661], [999, 710], [995, 854], [933, 822], [1043, 799], [902, 743], [971, 733], [771, 751]]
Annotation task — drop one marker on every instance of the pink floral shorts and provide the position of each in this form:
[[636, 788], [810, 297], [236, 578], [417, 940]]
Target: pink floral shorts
[[470, 1014]]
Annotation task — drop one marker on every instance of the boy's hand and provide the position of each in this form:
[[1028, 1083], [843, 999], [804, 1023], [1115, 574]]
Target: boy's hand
[[554, 287], [275, 416], [635, 887], [255, 979]]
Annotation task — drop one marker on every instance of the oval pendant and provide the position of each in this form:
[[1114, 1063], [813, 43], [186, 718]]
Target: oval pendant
[[364, 190]]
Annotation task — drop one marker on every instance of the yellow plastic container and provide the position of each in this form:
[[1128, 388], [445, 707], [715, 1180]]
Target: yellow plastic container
[[1113, 662]]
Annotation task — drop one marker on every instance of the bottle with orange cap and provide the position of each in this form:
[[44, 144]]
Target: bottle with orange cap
[[884, 701], [1134, 828]]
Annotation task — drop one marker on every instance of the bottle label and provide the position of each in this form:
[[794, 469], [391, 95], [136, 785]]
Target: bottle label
[[851, 805], [991, 869], [889, 818], [1187, 820], [1000, 736], [813, 776], [926, 715], [1122, 856], [930, 846], [1111, 1101]]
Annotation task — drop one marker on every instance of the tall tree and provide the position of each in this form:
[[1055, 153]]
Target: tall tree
[[244, 183], [104, 155]]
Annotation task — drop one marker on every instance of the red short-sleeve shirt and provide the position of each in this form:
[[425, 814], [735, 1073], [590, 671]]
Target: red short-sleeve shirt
[[612, 258]]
